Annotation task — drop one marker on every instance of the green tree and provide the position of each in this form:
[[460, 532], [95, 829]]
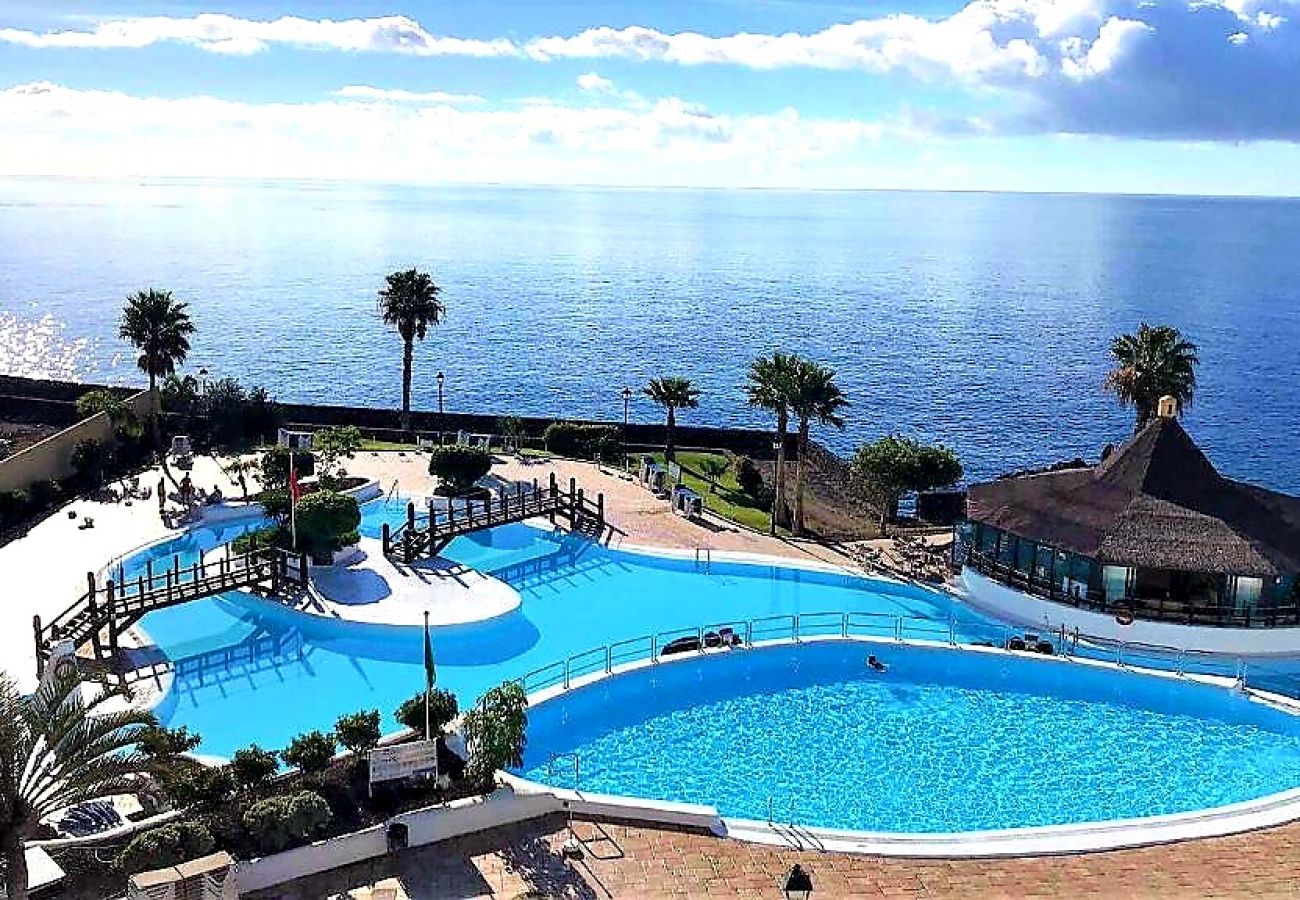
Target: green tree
[[238, 470], [359, 731], [1154, 362], [120, 415], [770, 386], [443, 708], [672, 394], [166, 845], [327, 522], [157, 741], [278, 823], [159, 328], [814, 398], [333, 445], [90, 459], [253, 767], [311, 753], [892, 466], [458, 466], [58, 749], [410, 302], [180, 395], [713, 468], [496, 731]]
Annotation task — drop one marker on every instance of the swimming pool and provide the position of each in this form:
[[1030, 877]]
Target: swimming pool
[[943, 741], [250, 670]]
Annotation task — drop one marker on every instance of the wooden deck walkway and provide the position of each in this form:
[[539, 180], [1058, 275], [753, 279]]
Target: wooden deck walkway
[[412, 541], [107, 610]]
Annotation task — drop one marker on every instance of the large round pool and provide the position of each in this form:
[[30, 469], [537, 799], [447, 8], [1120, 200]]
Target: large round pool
[[943, 741]]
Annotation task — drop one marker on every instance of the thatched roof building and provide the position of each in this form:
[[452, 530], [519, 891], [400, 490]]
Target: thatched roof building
[[1154, 528]]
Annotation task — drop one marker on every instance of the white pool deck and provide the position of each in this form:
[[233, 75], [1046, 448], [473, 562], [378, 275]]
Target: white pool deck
[[373, 589]]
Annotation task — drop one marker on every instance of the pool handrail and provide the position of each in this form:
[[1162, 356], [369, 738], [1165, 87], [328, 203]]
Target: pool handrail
[[793, 627]]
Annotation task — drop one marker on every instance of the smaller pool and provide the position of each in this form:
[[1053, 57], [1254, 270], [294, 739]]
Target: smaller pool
[[943, 741]]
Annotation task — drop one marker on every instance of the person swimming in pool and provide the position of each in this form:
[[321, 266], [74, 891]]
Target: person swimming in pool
[[875, 665]]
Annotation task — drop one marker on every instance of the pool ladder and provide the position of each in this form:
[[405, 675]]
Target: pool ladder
[[703, 555], [797, 836]]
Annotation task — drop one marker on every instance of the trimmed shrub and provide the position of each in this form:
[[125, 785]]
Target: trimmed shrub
[[198, 785], [748, 476], [282, 822], [258, 538], [358, 732], [157, 740], [327, 521], [581, 441], [458, 466], [442, 709], [165, 846], [311, 753], [274, 467], [253, 767]]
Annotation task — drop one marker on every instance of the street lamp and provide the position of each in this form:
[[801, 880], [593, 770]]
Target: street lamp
[[627, 398], [203, 379], [776, 479], [797, 883], [439, 393]]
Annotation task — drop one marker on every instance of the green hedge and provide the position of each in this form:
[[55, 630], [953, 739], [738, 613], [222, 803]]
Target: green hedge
[[458, 466], [166, 846], [581, 441], [279, 823]]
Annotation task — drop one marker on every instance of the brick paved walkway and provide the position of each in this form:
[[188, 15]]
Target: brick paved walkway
[[632, 861]]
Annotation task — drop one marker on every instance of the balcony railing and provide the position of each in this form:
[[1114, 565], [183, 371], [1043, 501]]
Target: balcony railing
[[1149, 609]]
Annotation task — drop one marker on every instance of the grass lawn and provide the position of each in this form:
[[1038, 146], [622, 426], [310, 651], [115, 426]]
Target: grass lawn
[[727, 500], [368, 444]]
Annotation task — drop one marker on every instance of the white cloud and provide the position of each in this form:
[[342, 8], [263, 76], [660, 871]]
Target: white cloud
[[54, 129], [219, 33], [595, 84], [397, 95]]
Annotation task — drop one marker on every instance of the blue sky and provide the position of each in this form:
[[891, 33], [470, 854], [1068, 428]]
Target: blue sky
[[1182, 96]]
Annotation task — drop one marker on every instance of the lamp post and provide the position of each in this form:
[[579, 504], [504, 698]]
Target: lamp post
[[797, 883], [776, 500], [627, 398], [439, 393], [203, 379]]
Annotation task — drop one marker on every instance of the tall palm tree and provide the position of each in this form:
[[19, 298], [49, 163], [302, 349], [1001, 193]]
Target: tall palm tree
[[410, 303], [815, 398], [57, 750], [672, 394], [1155, 362], [770, 386], [159, 327]]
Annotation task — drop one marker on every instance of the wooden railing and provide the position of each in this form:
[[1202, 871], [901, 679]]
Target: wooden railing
[[411, 540], [1150, 609], [116, 605]]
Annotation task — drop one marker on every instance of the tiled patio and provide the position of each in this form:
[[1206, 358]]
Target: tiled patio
[[633, 861]]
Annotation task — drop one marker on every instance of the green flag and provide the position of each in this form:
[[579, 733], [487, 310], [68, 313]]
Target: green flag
[[430, 674]]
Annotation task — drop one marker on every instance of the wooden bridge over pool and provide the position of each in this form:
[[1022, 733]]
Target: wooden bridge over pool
[[105, 611], [412, 540]]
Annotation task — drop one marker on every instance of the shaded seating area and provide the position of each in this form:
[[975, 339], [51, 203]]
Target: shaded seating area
[[1152, 532]]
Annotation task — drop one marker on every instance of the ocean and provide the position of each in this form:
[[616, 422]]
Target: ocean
[[978, 320]]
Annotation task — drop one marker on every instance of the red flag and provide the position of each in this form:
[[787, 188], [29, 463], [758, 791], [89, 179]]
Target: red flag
[[295, 492]]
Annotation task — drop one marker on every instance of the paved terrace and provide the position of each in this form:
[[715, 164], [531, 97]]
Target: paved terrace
[[625, 861]]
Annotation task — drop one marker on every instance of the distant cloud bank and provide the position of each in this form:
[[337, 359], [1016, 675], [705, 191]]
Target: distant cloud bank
[[1208, 70]]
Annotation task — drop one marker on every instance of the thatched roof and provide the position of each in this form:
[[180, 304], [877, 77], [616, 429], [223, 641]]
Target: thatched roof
[[1156, 502]]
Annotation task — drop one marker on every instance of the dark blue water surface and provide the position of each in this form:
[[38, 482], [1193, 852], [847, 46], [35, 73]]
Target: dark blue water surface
[[978, 319]]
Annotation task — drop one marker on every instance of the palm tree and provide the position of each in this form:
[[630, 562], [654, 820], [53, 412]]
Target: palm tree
[[672, 394], [159, 328], [815, 397], [1155, 362], [769, 386], [57, 750], [410, 304]]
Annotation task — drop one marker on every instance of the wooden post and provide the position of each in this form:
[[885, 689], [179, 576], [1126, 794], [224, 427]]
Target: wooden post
[[93, 606], [575, 509], [302, 569], [600, 509], [451, 514], [554, 491], [112, 634], [169, 587], [40, 647], [406, 547], [148, 568], [386, 534], [410, 515], [519, 496], [139, 591]]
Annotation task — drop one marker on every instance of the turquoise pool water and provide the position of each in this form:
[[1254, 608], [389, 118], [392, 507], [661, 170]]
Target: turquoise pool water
[[248, 670], [943, 741]]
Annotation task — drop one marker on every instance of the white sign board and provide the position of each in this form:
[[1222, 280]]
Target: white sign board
[[674, 472], [402, 760]]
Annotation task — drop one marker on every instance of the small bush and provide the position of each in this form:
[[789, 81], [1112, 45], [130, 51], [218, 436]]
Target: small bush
[[13, 506], [259, 538], [581, 441], [157, 740], [496, 731], [443, 708], [458, 466], [165, 846], [44, 494], [327, 521], [748, 476], [198, 785], [252, 766], [274, 467], [282, 822], [358, 732], [311, 753]]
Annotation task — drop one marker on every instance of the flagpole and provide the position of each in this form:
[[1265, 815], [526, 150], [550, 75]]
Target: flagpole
[[426, 689], [293, 505]]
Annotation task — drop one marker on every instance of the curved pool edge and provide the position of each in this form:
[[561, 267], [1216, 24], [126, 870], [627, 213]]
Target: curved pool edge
[[1268, 811]]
